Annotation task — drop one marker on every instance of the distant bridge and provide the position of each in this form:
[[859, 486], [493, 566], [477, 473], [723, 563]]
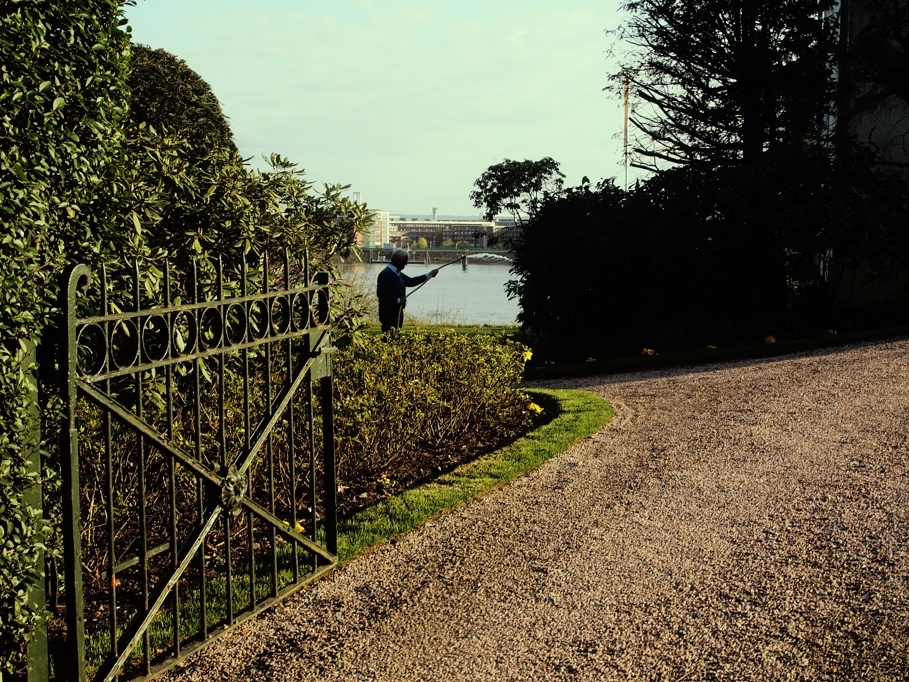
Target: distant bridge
[[438, 255]]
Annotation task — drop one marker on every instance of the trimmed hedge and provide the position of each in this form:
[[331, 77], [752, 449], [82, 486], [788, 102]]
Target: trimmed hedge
[[62, 102], [403, 393]]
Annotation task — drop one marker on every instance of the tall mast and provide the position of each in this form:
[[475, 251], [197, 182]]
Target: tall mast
[[626, 88]]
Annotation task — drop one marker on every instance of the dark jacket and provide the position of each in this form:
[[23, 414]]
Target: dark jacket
[[391, 288]]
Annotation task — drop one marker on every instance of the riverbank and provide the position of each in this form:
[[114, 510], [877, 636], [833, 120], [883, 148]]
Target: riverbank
[[475, 296]]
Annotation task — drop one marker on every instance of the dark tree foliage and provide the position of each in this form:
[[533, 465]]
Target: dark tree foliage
[[696, 257], [723, 82], [565, 297], [516, 187], [655, 267], [874, 72], [878, 58], [168, 95]]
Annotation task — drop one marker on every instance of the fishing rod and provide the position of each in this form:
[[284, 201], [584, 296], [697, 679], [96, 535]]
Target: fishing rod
[[463, 259], [460, 259]]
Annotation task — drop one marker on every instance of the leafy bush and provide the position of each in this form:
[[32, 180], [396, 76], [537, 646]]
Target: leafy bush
[[690, 257], [401, 394], [81, 183]]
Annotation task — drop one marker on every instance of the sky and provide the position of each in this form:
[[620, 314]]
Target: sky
[[407, 101]]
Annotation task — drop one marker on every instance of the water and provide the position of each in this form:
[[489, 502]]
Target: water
[[454, 296]]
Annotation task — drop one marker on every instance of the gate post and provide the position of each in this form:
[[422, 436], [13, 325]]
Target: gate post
[[328, 433], [331, 482], [37, 655]]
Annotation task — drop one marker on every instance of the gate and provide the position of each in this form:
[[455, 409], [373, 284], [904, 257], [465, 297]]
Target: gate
[[200, 482]]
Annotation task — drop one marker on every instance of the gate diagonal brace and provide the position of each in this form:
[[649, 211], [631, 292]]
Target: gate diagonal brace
[[289, 532], [244, 460], [279, 405], [132, 421], [198, 469], [133, 634]]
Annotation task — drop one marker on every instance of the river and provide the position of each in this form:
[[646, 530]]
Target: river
[[454, 296]]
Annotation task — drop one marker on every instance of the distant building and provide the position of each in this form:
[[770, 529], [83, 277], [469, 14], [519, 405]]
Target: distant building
[[379, 232], [507, 230], [442, 231]]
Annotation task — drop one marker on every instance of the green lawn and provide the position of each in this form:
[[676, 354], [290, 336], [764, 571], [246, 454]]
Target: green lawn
[[577, 415]]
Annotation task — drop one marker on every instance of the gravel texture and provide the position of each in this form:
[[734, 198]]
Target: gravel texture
[[739, 521]]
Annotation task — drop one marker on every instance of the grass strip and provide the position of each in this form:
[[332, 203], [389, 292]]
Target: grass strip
[[578, 414]]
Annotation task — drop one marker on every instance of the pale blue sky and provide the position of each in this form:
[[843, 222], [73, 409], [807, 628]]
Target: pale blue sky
[[409, 101]]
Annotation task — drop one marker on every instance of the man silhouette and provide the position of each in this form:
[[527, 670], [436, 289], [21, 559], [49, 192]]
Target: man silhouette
[[391, 288]]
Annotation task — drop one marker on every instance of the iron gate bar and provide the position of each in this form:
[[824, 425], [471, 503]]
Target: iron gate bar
[[222, 439], [289, 350], [172, 480], [250, 530], [271, 471], [175, 452], [326, 382], [129, 563], [109, 501], [143, 518], [73, 669], [244, 459], [313, 364], [197, 305], [200, 486], [95, 378], [139, 628]]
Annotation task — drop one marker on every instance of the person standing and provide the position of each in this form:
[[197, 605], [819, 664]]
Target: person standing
[[391, 288]]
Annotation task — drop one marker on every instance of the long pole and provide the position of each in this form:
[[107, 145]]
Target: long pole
[[626, 86], [460, 259]]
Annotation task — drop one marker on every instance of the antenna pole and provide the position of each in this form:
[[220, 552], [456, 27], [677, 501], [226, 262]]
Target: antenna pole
[[626, 87]]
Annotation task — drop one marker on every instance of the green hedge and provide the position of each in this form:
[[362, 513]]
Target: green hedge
[[62, 101], [403, 393]]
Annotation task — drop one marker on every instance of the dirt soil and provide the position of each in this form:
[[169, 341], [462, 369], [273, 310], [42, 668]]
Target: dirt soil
[[739, 521]]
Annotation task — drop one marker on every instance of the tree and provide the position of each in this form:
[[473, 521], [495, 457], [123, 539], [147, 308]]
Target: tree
[[192, 194], [168, 95], [518, 187], [724, 82], [879, 52], [874, 76]]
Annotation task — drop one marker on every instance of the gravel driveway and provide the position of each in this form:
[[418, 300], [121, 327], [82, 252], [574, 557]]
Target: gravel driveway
[[741, 521]]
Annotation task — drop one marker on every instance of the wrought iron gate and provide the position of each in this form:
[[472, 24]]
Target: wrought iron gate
[[200, 486]]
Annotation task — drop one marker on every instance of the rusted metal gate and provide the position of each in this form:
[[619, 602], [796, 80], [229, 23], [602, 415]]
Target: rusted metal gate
[[200, 485]]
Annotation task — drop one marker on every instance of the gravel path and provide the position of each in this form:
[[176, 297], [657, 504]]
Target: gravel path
[[744, 521]]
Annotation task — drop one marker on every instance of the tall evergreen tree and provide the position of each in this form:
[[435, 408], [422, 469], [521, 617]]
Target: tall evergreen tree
[[168, 94], [725, 81]]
